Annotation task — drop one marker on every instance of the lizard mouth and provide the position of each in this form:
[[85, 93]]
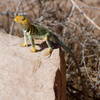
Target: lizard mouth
[[16, 19]]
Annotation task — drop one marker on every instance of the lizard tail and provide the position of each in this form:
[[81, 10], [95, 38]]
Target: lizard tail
[[55, 39], [67, 49]]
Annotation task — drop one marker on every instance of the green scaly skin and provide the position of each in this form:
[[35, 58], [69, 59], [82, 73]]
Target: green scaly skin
[[35, 31]]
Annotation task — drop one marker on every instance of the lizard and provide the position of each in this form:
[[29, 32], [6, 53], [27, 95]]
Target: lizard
[[36, 31]]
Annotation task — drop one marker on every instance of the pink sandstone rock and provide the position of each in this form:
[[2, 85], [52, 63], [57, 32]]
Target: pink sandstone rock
[[28, 76]]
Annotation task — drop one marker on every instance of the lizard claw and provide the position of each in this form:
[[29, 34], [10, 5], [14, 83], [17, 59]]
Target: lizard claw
[[48, 51], [33, 49], [24, 45]]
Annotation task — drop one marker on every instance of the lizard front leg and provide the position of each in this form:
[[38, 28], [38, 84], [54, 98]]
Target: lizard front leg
[[48, 42], [25, 40], [33, 49]]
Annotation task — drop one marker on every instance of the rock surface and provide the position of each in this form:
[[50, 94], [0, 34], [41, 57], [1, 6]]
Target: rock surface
[[25, 75]]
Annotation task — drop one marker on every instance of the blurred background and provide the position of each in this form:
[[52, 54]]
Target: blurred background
[[49, 10], [77, 23]]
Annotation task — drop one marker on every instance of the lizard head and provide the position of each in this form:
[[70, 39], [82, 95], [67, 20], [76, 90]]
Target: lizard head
[[22, 20]]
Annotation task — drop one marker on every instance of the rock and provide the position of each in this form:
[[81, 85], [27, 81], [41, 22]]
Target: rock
[[28, 76]]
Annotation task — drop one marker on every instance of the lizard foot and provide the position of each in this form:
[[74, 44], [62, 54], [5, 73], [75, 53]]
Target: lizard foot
[[23, 45], [45, 38], [48, 52], [33, 49]]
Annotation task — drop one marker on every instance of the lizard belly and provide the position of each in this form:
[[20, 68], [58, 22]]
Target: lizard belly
[[39, 37]]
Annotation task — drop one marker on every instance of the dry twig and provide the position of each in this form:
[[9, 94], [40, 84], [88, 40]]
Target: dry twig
[[84, 14], [17, 9]]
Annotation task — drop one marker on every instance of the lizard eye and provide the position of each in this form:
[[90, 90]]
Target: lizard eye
[[23, 18]]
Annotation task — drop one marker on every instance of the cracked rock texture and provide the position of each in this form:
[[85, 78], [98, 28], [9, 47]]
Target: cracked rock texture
[[28, 76]]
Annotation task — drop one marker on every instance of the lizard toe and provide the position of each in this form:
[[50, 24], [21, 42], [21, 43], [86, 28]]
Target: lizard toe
[[23, 44], [48, 52]]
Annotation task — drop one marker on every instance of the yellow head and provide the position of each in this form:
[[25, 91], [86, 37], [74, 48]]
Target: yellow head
[[21, 20]]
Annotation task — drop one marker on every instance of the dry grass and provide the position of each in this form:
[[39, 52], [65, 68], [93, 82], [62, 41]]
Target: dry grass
[[78, 27]]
